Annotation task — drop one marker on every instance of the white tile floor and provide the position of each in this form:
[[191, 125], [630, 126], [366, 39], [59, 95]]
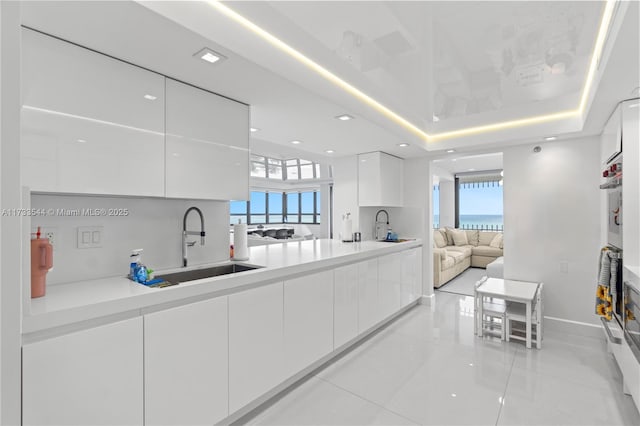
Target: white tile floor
[[428, 368]]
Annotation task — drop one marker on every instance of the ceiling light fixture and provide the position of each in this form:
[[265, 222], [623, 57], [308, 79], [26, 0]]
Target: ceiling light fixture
[[550, 138], [449, 151], [403, 145], [603, 30], [150, 97], [253, 129], [329, 151], [296, 142], [209, 55], [472, 170], [344, 117], [81, 141]]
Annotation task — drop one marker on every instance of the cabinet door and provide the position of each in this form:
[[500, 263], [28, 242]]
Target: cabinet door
[[610, 139], [389, 284], [87, 126], [345, 310], [186, 364], [380, 180], [308, 320], [90, 377], [207, 145], [367, 295], [411, 276], [255, 343], [631, 187]]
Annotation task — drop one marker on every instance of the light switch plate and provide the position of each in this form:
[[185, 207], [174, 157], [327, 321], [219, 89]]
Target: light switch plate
[[89, 236]]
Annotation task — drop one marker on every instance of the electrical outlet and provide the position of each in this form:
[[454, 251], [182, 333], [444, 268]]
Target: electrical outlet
[[51, 236]]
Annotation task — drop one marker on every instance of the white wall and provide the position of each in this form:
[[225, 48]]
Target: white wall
[[552, 215], [10, 226], [153, 224], [447, 203], [345, 193]]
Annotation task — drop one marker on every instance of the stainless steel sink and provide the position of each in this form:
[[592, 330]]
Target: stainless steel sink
[[198, 274]]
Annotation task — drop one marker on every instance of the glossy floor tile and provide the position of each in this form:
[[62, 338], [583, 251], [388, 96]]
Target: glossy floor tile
[[428, 368]]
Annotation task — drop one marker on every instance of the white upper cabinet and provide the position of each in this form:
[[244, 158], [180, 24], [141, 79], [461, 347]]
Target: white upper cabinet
[[380, 180], [611, 137], [90, 124], [207, 145]]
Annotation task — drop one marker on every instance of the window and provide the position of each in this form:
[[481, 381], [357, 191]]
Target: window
[[293, 207], [293, 169], [277, 207], [479, 202], [436, 206], [238, 210]]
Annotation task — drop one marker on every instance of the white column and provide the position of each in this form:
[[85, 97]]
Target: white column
[[10, 226], [447, 203]]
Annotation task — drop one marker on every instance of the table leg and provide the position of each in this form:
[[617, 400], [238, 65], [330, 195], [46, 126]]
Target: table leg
[[529, 325], [481, 314]]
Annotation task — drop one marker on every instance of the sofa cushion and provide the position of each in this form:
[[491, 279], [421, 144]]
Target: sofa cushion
[[446, 235], [458, 236], [487, 251], [439, 239], [485, 237], [472, 236], [496, 241], [466, 250], [458, 257], [447, 263]]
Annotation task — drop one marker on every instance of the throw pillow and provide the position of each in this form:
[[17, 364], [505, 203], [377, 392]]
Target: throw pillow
[[439, 239], [496, 242], [459, 237], [447, 235]]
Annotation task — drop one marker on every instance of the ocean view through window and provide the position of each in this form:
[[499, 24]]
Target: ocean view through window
[[480, 205]]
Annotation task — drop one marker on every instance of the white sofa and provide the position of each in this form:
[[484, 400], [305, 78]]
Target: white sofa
[[455, 250]]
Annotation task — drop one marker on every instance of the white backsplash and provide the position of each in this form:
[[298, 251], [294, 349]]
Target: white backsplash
[[152, 224]]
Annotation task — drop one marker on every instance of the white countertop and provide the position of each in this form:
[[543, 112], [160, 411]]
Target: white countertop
[[74, 302]]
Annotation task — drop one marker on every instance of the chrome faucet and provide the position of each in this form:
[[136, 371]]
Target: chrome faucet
[[186, 243], [381, 226]]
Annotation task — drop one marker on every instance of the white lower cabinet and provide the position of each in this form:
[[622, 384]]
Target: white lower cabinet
[[411, 284], [308, 320], [186, 364], [389, 283], [255, 343], [89, 377], [345, 304], [368, 312]]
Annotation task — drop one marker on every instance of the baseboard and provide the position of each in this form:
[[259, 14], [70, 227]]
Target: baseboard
[[565, 326], [427, 300]]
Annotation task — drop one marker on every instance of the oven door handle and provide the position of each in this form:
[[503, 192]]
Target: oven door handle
[[612, 338]]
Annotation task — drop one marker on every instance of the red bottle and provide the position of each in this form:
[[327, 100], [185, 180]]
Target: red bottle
[[41, 263]]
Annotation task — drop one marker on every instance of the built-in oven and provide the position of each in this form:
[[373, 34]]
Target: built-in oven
[[632, 318]]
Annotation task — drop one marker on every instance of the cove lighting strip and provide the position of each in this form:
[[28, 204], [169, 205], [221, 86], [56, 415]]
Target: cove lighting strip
[[605, 21]]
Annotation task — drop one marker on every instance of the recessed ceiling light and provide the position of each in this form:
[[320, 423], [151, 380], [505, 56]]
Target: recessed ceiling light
[[436, 118], [253, 129], [550, 138], [451, 150], [403, 145], [329, 151], [472, 170], [344, 117], [210, 56], [150, 97], [81, 141], [296, 142], [453, 159]]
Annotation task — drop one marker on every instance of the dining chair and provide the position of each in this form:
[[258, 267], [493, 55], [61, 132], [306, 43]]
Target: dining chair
[[517, 312], [492, 309]]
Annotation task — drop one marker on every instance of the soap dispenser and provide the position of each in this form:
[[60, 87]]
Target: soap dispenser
[[134, 260]]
